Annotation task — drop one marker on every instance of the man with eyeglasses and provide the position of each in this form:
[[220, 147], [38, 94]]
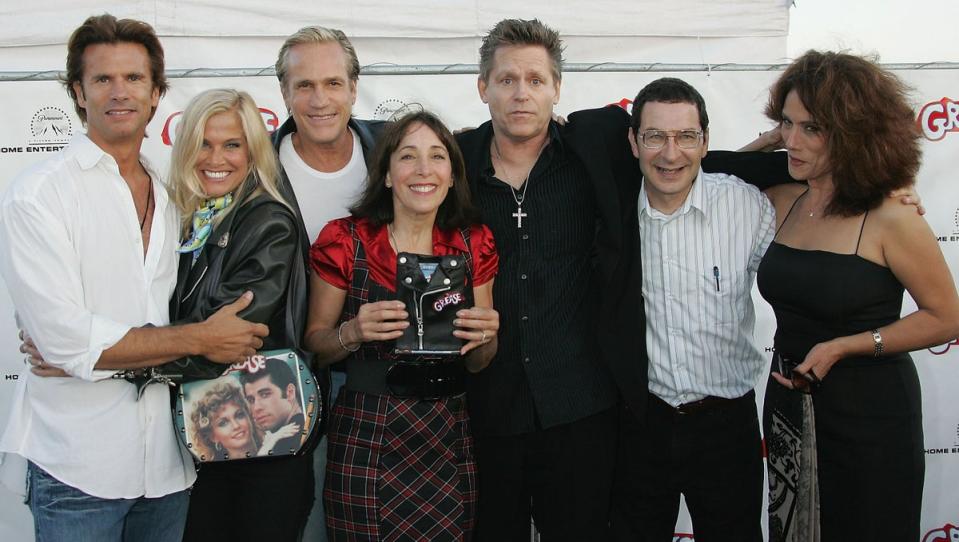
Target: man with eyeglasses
[[702, 236]]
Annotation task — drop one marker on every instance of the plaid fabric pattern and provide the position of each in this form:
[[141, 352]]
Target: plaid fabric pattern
[[397, 469]]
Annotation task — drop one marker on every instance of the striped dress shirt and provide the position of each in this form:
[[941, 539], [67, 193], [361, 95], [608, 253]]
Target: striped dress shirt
[[699, 265]]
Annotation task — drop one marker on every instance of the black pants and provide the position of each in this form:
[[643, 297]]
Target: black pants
[[268, 499], [713, 457], [560, 476]]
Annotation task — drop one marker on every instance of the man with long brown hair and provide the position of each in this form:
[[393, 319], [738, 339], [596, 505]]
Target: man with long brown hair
[[87, 243]]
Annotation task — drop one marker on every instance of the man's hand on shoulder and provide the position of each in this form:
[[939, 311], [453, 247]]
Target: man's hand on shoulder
[[909, 196]]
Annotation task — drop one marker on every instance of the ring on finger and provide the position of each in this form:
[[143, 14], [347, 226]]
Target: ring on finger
[[484, 339], [26, 360], [20, 334]]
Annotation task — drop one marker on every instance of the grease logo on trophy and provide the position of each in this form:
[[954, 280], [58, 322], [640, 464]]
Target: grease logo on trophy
[[936, 119], [947, 533]]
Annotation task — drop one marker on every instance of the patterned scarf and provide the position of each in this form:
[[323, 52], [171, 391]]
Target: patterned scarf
[[203, 224]]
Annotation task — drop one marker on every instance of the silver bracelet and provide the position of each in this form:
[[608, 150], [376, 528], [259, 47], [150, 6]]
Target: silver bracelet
[[339, 337], [877, 343]]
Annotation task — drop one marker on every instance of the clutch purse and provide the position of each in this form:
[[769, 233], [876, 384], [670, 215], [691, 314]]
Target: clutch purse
[[269, 405], [433, 288]]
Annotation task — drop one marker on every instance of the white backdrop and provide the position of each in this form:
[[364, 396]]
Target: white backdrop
[[449, 34]]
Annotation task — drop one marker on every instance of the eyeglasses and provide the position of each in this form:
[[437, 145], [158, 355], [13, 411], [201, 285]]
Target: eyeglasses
[[685, 139]]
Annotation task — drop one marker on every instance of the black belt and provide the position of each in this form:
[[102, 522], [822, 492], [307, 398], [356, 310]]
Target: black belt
[[710, 403], [428, 380]]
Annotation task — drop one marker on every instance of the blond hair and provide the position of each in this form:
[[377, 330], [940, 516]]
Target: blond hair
[[317, 34], [218, 395], [185, 186]]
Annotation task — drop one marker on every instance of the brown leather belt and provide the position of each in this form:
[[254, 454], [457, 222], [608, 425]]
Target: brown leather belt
[[706, 404]]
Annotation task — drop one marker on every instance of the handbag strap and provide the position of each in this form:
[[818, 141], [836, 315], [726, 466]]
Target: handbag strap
[[465, 234]]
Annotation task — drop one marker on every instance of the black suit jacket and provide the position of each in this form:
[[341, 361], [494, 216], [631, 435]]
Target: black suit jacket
[[600, 138]]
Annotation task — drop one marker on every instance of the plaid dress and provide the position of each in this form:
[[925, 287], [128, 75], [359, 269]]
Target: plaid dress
[[397, 469]]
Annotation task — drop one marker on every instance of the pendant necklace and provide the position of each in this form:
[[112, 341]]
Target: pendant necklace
[[396, 246], [146, 209], [518, 197]]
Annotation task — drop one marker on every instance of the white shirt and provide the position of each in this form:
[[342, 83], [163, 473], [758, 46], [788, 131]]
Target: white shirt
[[699, 336], [323, 196], [72, 258]]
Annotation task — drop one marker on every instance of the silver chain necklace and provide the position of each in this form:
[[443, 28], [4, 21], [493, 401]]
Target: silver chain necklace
[[518, 197]]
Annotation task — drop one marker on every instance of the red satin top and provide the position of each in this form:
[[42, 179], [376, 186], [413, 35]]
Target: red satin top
[[332, 254]]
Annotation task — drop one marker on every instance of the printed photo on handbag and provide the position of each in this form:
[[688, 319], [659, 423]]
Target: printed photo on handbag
[[268, 405], [433, 289]]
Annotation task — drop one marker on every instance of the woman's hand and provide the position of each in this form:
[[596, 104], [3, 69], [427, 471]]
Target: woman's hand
[[477, 325], [35, 359], [813, 370], [380, 321], [271, 438]]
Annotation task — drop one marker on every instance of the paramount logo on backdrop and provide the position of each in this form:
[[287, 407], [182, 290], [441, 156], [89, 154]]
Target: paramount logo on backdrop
[[50, 131], [954, 237], [387, 108], [936, 119], [947, 450], [168, 135]]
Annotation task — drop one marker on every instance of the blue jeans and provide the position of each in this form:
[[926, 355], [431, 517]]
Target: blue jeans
[[316, 525], [61, 512]]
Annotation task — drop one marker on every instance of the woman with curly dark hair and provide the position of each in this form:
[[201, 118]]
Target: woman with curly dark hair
[[843, 413]]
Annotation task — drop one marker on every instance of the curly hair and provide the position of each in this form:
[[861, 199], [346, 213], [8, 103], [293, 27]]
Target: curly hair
[[205, 408], [870, 128]]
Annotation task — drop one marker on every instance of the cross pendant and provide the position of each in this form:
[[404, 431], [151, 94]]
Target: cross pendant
[[519, 215]]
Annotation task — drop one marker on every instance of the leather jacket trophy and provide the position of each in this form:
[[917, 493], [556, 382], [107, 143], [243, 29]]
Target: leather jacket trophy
[[433, 289]]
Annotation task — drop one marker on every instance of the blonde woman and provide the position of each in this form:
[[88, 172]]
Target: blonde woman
[[239, 233], [222, 426]]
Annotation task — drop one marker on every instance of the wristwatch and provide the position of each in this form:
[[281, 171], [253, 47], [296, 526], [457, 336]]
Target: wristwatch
[[877, 343]]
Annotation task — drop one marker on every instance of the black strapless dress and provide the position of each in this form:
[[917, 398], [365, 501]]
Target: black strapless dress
[[867, 412]]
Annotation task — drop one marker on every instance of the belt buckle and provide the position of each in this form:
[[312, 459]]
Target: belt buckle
[[400, 380]]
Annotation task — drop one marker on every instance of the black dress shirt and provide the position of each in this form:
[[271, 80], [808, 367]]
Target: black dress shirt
[[547, 369]]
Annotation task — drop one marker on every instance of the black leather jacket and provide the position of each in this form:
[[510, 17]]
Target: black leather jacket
[[258, 246]]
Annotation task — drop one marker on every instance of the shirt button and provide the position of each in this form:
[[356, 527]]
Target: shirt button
[[525, 236], [523, 276], [525, 318], [525, 360]]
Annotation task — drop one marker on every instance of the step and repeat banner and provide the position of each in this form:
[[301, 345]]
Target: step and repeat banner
[[38, 120]]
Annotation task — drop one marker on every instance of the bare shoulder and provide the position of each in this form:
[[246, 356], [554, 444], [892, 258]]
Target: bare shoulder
[[893, 216], [783, 195]]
